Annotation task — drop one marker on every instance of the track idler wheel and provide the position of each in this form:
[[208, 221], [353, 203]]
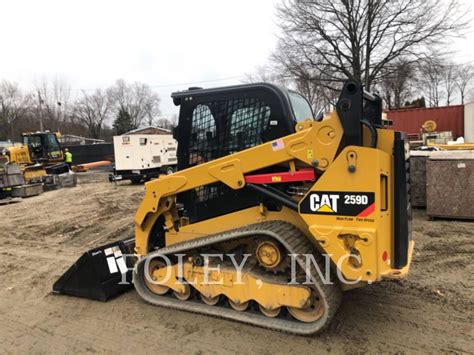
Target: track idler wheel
[[153, 286], [310, 313]]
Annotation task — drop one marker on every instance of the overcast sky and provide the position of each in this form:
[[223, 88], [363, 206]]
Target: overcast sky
[[91, 43]]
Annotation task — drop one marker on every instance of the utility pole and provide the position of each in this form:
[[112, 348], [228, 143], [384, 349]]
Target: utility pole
[[40, 102]]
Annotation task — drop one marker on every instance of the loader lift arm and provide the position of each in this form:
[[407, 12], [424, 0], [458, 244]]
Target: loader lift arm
[[315, 144]]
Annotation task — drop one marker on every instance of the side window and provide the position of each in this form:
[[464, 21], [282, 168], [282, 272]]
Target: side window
[[32, 141], [143, 141], [203, 134], [52, 144], [301, 107]]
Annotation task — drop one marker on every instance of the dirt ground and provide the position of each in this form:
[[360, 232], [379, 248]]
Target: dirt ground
[[431, 311]]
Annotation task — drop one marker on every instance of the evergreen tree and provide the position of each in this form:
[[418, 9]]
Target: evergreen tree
[[420, 102], [123, 122]]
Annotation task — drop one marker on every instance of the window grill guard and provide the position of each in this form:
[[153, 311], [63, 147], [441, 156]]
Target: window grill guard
[[221, 128]]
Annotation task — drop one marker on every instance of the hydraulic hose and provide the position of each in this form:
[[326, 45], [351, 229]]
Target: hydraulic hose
[[373, 133]]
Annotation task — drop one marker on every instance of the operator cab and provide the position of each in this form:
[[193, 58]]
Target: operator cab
[[217, 122], [43, 146]]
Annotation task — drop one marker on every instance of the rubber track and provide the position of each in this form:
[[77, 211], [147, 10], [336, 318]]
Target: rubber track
[[291, 238]]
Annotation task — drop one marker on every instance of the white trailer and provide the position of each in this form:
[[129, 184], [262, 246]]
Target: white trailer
[[143, 157]]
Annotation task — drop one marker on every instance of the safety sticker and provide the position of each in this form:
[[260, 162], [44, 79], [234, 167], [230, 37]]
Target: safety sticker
[[112, 265], [122, 266]]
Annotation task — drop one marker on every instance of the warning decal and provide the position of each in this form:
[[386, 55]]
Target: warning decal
[[360, 204]]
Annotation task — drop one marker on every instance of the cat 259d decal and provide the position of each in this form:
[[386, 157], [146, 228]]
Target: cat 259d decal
[[360, 204]]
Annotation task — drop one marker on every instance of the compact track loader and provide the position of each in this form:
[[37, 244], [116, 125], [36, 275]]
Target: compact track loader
[[272, 214]]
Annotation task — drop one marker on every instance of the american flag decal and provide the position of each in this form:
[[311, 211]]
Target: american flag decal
[[277, 145]]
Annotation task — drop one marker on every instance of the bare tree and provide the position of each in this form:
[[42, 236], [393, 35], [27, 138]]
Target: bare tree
[[430, 80], [318, 96], [14, 105], [465, 74], [449, 79], [164, 122], [174, 120], [141, 103], [93, 111], [53, 99], [264, 74], [396, 83], [338, 39]]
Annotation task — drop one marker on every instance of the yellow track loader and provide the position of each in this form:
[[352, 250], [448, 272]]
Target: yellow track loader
[[272, 213]]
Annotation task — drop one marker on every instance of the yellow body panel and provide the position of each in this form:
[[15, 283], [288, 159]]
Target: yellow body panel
[[330, 230], [355, 169], [33, 173], [19, 154]]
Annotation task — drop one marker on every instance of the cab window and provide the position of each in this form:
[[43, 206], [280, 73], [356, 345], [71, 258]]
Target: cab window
[[32, 141], [301, 107], [52, 143]]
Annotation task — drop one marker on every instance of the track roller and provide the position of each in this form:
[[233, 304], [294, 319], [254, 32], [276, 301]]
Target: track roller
[[270, 312], [241, 306]]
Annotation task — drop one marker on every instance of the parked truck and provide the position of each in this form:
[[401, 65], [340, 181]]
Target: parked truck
[[143, 157]]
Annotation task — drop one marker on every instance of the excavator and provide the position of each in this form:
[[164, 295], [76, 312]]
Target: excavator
[[29, 163], [272, 214], [39, 154]]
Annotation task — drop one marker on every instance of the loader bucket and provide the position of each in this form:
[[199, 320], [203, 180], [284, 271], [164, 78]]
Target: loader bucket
[[98, 273]]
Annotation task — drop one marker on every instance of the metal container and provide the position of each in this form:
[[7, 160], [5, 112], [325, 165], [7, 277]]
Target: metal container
[[410, 120], [418, 178], [450, 184]]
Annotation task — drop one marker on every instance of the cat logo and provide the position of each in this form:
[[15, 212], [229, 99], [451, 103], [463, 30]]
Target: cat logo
[[324, 203], [338, 203]]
